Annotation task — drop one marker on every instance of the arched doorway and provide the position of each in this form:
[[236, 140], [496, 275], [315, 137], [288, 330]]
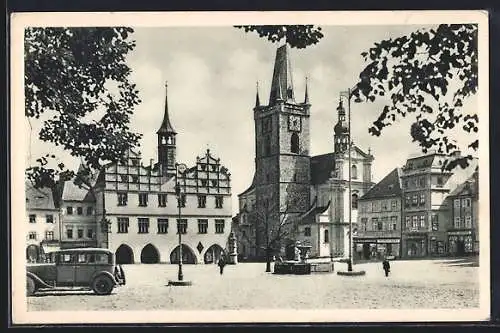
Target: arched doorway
[[213, 254], [124, 255], [188, 256], [32, 253], [150, 255]]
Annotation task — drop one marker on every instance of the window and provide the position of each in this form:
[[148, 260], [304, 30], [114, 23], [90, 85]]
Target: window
[[364, 222], [440, 181], [214, 182], [82, 258], [307, 231], [203, 182], [408, 222], [354, 172], [374, 223], [422, 221], [422, 182], [32, 235], [407, 201], [202, 226], [135, 178], [384, 205], [468, 221], [123, 225], [414, 200], [202, 201], [394, 205], [380, 226], [162, 226], [69, 233], [135, 161], [69, 210], [214, 167], [32, 218], [122, 198], [90, 210], [162, 199], [394, 223], [354, 201], [457, 223], [456, 203], [143, 199], [181, 200], [90, 233], [414, 221], [435, 222], [80, 233], [182, 226], [79, 210], [123, 178], [294, 143], [143, 225], [219, 226], [405, 184], [326, 237], [49, 218], [422, 198], [49, 235], [375, 206], [466, 202], [219, 200]]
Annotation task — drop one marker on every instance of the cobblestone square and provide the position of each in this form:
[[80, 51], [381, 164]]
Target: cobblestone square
[[423, 284]]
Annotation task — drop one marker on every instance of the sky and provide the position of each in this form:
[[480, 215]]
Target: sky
[[212, 74]]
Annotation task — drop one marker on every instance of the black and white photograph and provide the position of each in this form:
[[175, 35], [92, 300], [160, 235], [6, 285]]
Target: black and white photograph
[[250, 167]]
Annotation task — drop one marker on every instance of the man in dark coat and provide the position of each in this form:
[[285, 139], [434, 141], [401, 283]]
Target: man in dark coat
[[386, 266], [221, 263]]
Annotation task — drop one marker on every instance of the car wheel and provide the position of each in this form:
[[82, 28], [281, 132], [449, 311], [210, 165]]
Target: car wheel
[[30, 286], [103, 285]]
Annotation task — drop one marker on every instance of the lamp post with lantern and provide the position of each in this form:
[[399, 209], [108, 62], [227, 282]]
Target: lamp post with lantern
[[179, 169], [348, 95]]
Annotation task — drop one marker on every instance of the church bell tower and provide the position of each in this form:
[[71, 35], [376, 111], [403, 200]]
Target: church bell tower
[[166, 143]]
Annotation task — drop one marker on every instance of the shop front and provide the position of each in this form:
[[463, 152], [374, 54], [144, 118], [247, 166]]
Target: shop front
[[374, 249], [415, 246], [460, 242]]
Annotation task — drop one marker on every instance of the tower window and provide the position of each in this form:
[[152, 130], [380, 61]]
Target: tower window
[[354, 172], [354, 201], [326, 236], [294, 143]]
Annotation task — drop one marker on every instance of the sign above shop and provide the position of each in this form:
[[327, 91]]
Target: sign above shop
[[460, 233]]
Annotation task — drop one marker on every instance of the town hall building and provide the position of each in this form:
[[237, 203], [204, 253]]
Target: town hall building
[[295, 196]]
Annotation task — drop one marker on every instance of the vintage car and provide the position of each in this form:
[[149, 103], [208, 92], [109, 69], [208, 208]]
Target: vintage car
[[83, 268]]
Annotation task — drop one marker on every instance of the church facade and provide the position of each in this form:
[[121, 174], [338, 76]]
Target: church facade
[[295, 196]]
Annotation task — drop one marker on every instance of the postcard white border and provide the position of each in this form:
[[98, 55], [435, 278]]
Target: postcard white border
[[156, 19]]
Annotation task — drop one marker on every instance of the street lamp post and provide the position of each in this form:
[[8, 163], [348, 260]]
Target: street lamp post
[[349, 94], [179, 169]]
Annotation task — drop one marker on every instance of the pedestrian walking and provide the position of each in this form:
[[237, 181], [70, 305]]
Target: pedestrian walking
[[386, 266], [221, 263]]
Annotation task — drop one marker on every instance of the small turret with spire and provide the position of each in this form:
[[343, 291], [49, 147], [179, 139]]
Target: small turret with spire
[[306, 94], [166, 142], [257, 99]]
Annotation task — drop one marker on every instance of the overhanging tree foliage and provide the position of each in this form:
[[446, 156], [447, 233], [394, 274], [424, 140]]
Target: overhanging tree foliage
[[428, 73], [77, 82]]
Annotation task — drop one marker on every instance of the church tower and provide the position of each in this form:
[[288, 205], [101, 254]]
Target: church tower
[[341, 131], [166, 143], [282, 161]]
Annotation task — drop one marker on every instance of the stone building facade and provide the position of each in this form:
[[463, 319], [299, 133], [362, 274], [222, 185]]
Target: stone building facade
[[379, 220], [299, 197], [137, 207], [42, 223]]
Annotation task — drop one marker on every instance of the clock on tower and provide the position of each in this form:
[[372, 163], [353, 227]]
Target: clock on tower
[[294, 123]]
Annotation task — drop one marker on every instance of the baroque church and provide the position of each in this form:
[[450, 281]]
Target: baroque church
[[296, 197]]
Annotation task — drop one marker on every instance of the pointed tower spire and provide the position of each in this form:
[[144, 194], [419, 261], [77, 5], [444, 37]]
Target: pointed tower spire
[[282, 83], [166, 126], [306, 97], [257, 99]]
